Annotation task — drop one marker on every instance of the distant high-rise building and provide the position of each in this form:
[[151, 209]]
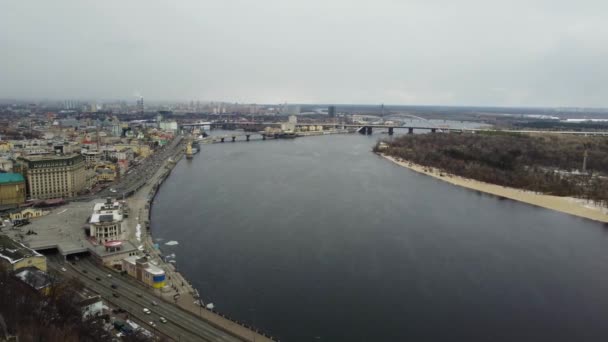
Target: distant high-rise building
[[291, 110], [331, 111], [140, 105]]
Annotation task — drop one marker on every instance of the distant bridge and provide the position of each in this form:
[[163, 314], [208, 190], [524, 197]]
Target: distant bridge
[[365, 128]]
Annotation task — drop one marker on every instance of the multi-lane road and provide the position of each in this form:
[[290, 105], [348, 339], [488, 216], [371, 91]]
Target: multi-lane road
[[137, 176], [134, 297]]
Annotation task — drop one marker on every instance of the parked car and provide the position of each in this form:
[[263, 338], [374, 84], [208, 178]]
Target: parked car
[[154, 303]]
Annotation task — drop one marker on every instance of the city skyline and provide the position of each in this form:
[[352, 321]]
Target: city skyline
[[468, 54]]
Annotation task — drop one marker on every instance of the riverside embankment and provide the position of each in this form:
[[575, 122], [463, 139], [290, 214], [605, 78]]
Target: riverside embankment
[[568, 205], [140, 204]]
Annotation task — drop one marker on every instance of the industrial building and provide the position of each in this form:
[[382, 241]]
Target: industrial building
[[15, 255], [53, 176], [141, 269], [12, 189]]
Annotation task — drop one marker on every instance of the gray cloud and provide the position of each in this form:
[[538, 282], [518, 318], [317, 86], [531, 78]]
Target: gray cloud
[[468, 52]]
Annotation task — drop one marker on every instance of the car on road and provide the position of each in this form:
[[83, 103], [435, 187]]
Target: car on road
[[63, 269], [115, 295], [85, 271], [146, 311], [152, 324], [97, 278], [109, 275], [162, 319], [154, 303], [114, 286], [138, 295]]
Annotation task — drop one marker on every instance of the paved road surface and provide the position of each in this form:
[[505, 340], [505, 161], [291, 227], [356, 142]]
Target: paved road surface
[[133, 297]]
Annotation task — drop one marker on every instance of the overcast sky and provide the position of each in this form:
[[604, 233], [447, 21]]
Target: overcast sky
[[464, 52]]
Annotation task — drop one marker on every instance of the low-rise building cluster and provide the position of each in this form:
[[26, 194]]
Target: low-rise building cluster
[[68, 153]]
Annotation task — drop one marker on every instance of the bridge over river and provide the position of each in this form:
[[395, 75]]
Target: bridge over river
[[252, 128]]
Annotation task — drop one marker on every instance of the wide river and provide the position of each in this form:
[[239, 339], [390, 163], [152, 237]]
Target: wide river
[[319, 239]]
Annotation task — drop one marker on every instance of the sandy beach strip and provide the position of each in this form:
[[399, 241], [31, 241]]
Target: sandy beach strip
[[569, 205]]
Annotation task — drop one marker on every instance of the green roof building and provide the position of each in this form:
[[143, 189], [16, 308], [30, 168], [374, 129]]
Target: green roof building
[[12, 189]]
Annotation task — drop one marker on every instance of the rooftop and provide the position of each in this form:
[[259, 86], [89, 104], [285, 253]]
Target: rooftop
[[13, 251], [151, 268], [108, 211], [106, 216], [11, 178], [34, 277], [90, 300], [50, 157]]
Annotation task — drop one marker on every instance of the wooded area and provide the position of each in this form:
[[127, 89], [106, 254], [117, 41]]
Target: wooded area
[[550, 164], [54, 317]]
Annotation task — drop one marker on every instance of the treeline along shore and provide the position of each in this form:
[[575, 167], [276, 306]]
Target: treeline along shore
[[565, 173]]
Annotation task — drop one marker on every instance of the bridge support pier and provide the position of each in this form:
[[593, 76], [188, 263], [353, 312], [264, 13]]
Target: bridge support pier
[[433, 130], [221, 139], [410, 130], [233, 138], [276, 136], [369, 130], [247, 136], [390, 131], [263, 136]]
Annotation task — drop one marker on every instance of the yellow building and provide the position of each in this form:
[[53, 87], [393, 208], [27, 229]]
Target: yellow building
[[141, 149], [15, 255], [144, 151], [105, 172], [27, 213], [12, 189], [142, 270], [5, 146], [55, 176]]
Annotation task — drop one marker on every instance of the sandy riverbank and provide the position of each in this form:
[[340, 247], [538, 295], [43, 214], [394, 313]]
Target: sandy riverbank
[[569, 205]]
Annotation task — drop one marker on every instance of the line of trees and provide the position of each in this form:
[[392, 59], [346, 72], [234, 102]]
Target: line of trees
[[550, 164]]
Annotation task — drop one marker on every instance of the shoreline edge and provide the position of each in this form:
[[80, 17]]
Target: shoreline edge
[[568, 205]]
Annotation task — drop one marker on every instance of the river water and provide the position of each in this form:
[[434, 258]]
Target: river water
[[318, 239]]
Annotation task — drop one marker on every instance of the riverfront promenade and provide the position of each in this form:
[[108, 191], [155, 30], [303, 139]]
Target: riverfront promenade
[[139, 205]]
